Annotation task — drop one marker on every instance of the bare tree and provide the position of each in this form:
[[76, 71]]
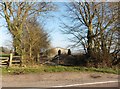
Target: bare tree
[[82, 15], [92, 25], [34, 38], [16, 14], [107, 15]]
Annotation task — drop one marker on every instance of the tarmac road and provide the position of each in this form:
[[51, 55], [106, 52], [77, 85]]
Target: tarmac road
[[62, 80], [111, 85]]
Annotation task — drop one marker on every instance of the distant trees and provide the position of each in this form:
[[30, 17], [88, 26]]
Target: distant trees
[[16, 15], [93, 25]]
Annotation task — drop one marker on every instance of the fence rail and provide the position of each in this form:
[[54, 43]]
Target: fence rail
[[4, 61], [10, 60]]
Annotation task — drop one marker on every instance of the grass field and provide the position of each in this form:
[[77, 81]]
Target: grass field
[[4, 55], [39, 69]]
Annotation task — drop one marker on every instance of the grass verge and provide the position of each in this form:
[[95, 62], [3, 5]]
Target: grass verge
[[26, 70], [4, 55]]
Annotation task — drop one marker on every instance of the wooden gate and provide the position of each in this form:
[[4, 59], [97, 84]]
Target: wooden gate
[[10, 61]]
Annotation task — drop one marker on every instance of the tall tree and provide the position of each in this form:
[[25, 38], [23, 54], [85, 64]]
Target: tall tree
[[34, 38], [82, 15], [16, 14], [92, 25]]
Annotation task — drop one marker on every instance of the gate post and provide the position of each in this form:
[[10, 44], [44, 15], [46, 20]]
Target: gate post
[[11, 57]]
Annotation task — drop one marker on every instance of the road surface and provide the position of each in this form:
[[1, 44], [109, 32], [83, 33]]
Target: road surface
[[60, 80]]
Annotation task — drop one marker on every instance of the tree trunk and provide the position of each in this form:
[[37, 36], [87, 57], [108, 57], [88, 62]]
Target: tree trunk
[[89, 37]]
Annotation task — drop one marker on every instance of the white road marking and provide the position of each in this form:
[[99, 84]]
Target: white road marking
[[86, 84]]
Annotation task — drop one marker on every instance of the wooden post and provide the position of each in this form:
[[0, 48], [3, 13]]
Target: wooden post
[[11, 56], [38, 57]]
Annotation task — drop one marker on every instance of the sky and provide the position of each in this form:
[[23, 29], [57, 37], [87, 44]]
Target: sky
[[5, 36], [52, 26]]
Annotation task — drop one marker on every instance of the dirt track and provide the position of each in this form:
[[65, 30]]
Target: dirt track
[[55, 79]]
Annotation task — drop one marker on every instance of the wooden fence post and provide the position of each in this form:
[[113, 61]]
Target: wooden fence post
[[38, 57], [11, 57]]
